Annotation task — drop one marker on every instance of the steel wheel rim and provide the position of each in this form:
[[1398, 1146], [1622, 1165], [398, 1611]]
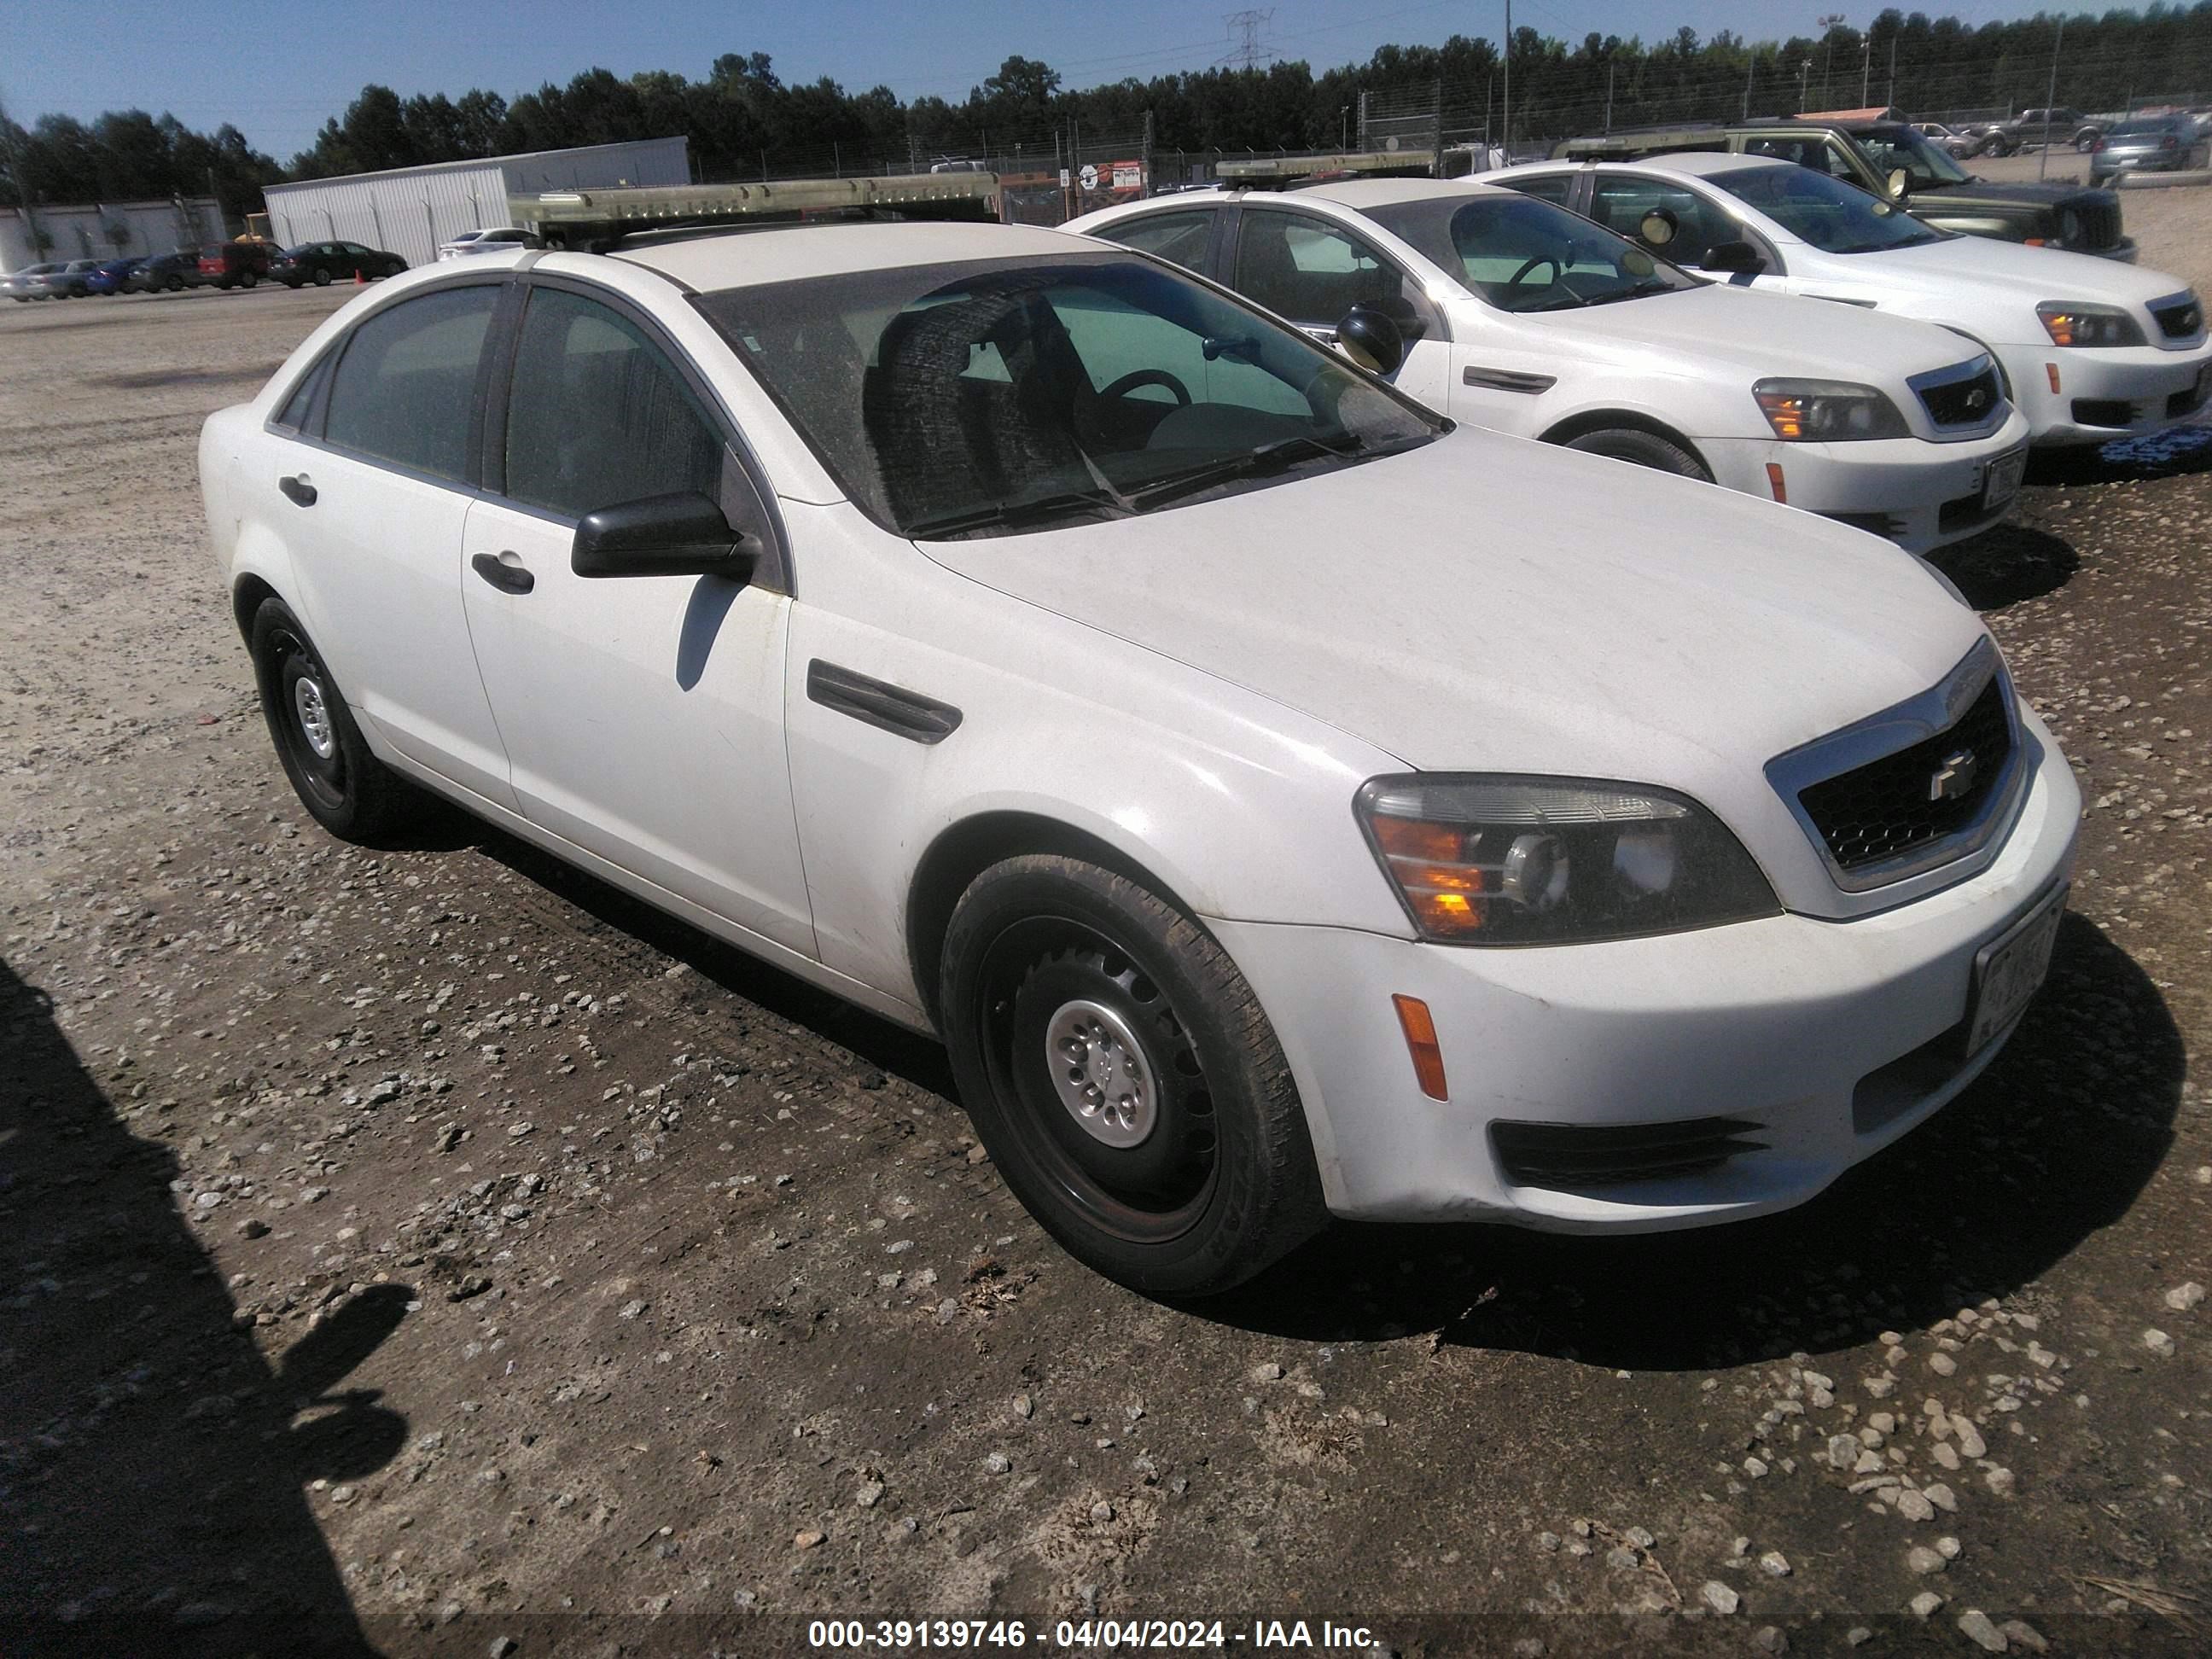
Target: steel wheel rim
[[1097, 1068], [313, 712], [1154, 1180]]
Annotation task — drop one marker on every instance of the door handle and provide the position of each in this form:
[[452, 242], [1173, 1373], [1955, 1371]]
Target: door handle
[[297, 487], [507, 578]]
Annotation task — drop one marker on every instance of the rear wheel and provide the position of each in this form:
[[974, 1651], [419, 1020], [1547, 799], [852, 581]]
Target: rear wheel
[[348, 791], [322, 277], [1643, 448], [249, 279], [1125, 1079]]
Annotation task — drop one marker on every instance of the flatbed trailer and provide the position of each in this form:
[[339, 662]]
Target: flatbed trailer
[[589, 219]]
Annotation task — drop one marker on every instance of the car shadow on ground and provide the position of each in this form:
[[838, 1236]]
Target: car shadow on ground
[[2053, 1143], [152, 1460], [2007, 564], [875, 1042]]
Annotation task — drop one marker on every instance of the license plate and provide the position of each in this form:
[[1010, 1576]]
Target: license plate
[[2001, 483], [2009, 970]]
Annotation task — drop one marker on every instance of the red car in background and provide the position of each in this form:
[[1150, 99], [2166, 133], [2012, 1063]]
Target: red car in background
[[233, 265]]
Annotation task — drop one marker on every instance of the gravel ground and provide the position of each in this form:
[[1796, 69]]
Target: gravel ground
[[429, 1249]]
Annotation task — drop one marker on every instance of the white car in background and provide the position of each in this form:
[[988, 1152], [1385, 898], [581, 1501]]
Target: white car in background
[[496, 239], [1280, 800], [2093, 349], [1519, 316]]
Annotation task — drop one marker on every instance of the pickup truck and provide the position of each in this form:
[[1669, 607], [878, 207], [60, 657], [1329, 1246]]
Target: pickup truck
[[1894, 160], [2047, 126]]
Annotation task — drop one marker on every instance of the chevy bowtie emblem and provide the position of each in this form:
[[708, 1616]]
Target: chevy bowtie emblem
[[1954, 777]]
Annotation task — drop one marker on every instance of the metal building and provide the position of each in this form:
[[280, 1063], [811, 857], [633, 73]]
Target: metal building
[[106, 230], [409, 211]]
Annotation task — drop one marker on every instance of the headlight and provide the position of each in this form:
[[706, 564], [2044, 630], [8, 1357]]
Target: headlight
[[1827, 412], [1528, 861], [2071, 325]]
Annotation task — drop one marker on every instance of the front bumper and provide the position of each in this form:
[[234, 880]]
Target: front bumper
[[1828, 1036], [2101, 395], [1920, 494]]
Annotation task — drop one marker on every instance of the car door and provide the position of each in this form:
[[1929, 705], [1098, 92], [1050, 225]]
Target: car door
[[370, 470], [1310, 270], [642, 715]]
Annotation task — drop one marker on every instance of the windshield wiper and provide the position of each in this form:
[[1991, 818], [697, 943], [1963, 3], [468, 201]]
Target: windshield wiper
[[1654, 285], [993, 515], [1250, 463]]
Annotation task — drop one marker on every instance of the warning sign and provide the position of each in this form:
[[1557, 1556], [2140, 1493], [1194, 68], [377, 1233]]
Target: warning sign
[[1089, 176]]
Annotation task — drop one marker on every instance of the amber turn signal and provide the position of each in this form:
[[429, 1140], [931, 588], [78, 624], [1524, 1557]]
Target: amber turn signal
[[1421, 1043]]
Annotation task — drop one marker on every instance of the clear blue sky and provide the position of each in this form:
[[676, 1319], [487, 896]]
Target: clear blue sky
[[277, 71]]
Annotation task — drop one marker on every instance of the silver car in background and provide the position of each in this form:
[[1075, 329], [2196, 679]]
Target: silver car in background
[[497, 239], [2148, 143]]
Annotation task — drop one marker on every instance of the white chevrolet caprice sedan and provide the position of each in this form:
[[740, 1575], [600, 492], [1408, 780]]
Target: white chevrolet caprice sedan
[[1280, 802], [2093, 349], [1519, 316]]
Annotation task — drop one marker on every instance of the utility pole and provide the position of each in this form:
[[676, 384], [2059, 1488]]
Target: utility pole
[[2050, 97], [1750, 70], [1866, 67], [1804, 72], [1609, 96], [1508, 145], [1892, 99]]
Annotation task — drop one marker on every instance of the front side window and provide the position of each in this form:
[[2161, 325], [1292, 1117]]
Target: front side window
[[1623, 203], [1923, 163], [405, 385], [1521, 254], [1179, 237], [978, 399], [597, 414], [1825, 213], [1312, 272], [1815, 152]]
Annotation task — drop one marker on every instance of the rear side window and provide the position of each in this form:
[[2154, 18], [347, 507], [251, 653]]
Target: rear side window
[[1553, 187], [1181, 237], [404, 389], [599, 415]]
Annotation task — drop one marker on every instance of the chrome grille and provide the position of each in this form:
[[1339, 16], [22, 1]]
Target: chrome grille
[[1964, 403], [1918, 795], [2178, 319]]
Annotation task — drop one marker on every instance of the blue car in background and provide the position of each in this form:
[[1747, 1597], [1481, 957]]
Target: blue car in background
[[116, 276]]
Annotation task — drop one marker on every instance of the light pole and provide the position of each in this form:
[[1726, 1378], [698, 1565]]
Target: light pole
[[1508, 145], [1828, 21], [2050, 97], [1344, 130]]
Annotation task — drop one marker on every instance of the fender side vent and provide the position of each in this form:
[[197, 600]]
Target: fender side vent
[[1569, 1155], [877, 702]]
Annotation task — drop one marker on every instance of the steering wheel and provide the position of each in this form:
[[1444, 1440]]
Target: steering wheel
[[1530, 264], [1143, 377]]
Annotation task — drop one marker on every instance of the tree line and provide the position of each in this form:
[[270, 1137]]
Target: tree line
[[743, 121]]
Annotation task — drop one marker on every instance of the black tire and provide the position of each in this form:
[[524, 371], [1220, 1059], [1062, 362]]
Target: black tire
[[1628, 443], [348, 792], [2086, 140], [174, 284], [249, 278], [322, 276], [1222, 1182]]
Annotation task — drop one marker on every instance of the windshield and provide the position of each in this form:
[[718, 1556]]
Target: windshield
[[1824, 212], [984, 396], [1523, 254], [1924, 163]]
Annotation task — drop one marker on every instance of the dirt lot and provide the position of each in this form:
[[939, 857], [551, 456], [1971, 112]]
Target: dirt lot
[[429, 1250]]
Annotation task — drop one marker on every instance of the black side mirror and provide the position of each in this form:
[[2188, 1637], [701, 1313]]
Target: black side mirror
[[1735, 258], [1371, 339], [684, 534]]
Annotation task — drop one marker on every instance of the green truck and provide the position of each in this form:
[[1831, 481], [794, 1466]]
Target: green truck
[[1891, 159]]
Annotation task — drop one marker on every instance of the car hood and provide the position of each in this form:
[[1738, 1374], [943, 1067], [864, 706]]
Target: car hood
[[1977, 191], [2034, 274], [1487, 602], [1767, 334]]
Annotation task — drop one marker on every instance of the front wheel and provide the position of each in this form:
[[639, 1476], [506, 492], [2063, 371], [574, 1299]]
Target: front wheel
[[322, 277], [1643, 449], [249, 279], [348, 791], [1124, 1078]]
